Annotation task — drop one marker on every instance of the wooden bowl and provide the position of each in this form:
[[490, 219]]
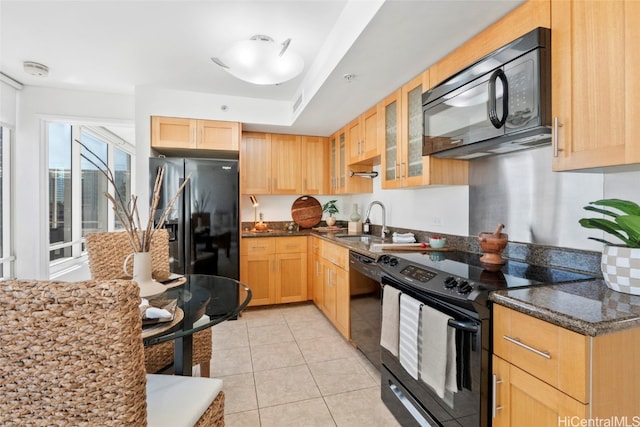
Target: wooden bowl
[[492, 245]]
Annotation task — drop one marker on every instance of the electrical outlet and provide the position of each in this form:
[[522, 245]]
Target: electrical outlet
[[435, 221]]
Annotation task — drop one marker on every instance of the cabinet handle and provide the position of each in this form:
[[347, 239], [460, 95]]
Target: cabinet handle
[[304, 184], [258, 247], [556, 125], [317, 268], [495, 408], [517, 342], [403, 166]]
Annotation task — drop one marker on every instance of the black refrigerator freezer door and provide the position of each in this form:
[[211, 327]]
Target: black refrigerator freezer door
[[175, 224]]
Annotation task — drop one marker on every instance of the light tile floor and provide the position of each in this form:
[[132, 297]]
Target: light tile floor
[[288, 366]]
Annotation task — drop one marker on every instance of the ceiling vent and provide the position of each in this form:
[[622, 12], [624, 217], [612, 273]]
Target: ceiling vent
[[297, 104]]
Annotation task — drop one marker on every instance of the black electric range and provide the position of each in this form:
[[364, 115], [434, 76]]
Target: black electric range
[[457, 284]]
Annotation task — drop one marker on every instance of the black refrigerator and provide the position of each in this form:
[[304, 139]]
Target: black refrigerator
[[204, 222]]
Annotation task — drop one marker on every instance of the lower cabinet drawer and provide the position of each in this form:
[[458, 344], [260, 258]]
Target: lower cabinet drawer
[[555, 355], [290, 245]]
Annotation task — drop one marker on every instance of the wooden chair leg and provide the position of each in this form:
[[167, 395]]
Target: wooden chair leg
[[205, 369]]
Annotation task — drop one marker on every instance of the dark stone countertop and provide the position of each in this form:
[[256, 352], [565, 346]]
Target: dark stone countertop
[[588, 308], [358, 246]]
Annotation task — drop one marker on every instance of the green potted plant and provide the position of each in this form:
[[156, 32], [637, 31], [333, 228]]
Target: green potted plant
[[331, 209], [620, 261]]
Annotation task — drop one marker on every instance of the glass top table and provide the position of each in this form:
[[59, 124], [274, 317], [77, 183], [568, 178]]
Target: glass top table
[[203, 301]]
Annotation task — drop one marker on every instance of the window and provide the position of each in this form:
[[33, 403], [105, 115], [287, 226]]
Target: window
[[77, 204], [6, 257]]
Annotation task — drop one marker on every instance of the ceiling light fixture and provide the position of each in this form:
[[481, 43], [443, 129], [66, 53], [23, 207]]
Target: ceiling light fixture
[[261, 61], [35, 69]]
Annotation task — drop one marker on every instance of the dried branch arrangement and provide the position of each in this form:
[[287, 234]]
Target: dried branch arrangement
[[127, 211]]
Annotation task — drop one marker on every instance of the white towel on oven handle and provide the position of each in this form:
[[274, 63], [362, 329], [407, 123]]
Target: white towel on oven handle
[[410, 336], [390, 319], [438, 357]]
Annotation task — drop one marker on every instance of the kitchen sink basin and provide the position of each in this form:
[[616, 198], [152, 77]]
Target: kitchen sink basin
[[362, 238]]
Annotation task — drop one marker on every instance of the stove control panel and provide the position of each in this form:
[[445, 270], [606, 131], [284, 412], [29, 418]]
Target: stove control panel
[[433, 281], [463, 286], [417, 273]]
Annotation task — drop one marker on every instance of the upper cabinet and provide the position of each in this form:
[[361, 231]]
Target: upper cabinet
[[403, 165], [362, 138], [339, 170], [286, 156], [315, 165], [174, 133], [255, 163], [274, 163], [596, 93], [270, 163]]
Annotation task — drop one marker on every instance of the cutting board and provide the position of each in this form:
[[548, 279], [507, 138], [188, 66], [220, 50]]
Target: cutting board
[[306, 211], [406, 247]]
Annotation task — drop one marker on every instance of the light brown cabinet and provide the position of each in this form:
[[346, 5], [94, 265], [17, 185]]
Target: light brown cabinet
[[544, 373], [400, 116], [362, 138], [270, 163], [316, 270], [275, 268], [315, 165], [525, 400], [181, 133], [255, 163], [340, 180], [596, 94], [331, 285]]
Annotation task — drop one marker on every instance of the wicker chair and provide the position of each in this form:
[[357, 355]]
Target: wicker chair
[[72, 354], [107, 252]]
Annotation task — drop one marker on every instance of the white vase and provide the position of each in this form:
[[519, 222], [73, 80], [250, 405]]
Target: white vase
[[355, 215], [331, 221], [142, 274], [621, 269]]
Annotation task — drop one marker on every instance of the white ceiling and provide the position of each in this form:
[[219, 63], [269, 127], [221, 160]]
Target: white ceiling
[[116, 46]]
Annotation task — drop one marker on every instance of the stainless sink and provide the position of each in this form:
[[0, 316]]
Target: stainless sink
[[361, 238]]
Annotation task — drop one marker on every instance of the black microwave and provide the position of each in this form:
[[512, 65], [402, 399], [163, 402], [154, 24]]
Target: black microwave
[[501, 103]]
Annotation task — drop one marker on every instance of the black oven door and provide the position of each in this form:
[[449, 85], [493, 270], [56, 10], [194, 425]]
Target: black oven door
[[413, 402]]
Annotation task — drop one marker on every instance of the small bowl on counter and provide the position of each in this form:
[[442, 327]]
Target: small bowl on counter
[[437, 242]]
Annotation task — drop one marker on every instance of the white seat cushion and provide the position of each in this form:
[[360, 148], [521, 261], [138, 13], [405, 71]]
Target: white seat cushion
[[175, 401]]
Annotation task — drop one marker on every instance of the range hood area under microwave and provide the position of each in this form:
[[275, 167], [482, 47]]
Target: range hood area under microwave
[[500, 104]]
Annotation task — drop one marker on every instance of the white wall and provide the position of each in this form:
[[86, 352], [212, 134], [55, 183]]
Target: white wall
[[35, 105], [438, 209]]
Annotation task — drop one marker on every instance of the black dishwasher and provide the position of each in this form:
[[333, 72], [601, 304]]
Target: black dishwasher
[[365, 305]]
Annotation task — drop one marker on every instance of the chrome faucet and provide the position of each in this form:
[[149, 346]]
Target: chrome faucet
[[384, 217]]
